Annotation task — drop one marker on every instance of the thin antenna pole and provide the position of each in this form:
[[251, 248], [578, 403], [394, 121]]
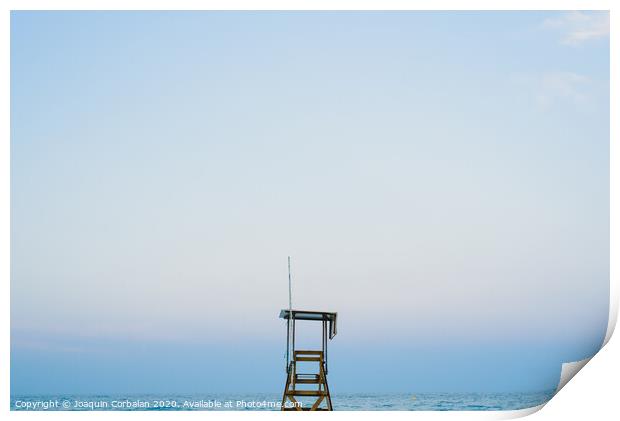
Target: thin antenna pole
[[290, 299], [290, 330]]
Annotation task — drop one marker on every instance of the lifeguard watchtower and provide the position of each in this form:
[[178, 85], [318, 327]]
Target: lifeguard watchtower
[[313, 384]]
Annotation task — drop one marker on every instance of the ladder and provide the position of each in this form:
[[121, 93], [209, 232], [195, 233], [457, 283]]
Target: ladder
[[292, 391]]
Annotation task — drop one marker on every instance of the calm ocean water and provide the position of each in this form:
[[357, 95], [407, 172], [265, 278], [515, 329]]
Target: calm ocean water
[[270, 401]]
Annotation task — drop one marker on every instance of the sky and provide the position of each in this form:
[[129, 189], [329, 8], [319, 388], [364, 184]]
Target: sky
[[440, 179]]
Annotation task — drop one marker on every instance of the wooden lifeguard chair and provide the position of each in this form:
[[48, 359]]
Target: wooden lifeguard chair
[[317, 381]]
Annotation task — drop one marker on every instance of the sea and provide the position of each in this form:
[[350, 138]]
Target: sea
[[271, 401]]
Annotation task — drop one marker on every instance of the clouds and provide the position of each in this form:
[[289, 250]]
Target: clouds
[[570, 86], [562, 86], [579, 27], [548, 90]]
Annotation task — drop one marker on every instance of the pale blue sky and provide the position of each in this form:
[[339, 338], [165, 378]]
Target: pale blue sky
[[440, 179]]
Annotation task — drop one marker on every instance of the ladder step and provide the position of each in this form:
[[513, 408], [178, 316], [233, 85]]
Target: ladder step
[[306, 393], [309, 352], [318, 359], [307, 381]]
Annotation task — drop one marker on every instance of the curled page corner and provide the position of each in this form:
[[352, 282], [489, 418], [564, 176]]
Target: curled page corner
[[569, 370]]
